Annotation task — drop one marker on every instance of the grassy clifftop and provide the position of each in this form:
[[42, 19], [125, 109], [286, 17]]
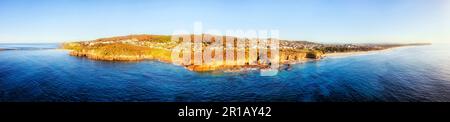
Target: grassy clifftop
[[118, 52]]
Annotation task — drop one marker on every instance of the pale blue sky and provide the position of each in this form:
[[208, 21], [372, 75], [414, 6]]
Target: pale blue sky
[[330, 21]]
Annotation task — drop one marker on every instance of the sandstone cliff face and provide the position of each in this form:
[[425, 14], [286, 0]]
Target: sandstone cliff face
[[288, 57], [96, 56], [314, 55]]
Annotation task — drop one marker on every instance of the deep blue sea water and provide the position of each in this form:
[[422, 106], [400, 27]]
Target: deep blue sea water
[[42, 73]]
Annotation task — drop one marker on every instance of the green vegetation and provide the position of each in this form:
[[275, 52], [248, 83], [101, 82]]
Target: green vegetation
[[142, 37], [73, 46]]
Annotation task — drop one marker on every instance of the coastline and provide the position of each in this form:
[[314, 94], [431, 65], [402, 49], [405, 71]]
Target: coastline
[[153, 47], [358, 53], [345, 54]]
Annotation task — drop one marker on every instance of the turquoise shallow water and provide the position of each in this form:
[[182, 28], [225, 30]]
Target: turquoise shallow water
[[42, 73]]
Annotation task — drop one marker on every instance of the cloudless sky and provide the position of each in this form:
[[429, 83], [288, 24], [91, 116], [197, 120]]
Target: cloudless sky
[[332, 21]]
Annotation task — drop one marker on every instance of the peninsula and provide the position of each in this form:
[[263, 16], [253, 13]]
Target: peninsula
[[159, 47]]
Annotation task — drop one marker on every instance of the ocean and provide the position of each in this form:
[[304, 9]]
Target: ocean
[[43, 73]]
